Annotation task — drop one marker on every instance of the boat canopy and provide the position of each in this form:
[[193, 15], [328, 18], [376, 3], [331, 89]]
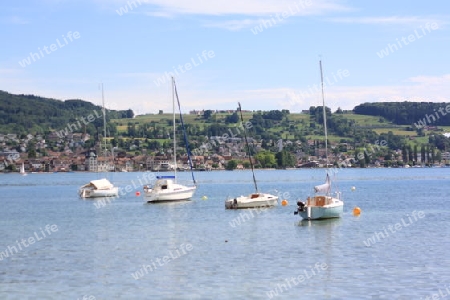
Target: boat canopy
[[101, 184], [323, 188]]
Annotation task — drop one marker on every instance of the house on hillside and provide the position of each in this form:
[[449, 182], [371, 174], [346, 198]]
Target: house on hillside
[[445, 155], [36, 165], [79, 164], [91, 163], [59, 165], [12, 137], [53, 136], [197, 112], [159, 163], [104, 164]]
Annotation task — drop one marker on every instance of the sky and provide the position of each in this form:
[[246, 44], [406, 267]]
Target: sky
[[262, 53]]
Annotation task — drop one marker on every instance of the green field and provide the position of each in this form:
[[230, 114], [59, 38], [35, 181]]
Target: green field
[[395, 131], [377, 124], [331, 138], [142, 119], [361, 120], [299, 117]]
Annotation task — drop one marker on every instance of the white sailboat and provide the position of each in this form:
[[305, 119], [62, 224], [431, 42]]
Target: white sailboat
[[322, 205], [255, 199], [166, 188], [101, 187], [98, 188], [22, 170]]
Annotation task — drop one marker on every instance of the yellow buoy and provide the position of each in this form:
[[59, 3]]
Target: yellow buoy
[[356, 211], [204, 198], [284, 202], [353, 188]]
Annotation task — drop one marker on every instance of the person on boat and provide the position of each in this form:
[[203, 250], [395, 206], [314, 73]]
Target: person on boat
[[301, 205]]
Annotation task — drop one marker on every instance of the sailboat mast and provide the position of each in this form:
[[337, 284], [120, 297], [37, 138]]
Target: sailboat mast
[[104, 118], [186, 142], [248, 148], [174, 138], [324, 115]]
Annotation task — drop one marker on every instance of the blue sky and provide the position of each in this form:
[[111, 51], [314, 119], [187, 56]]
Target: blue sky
[[263, 53]]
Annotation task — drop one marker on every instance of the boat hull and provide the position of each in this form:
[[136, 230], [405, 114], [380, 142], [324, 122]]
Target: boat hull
[[252, 201], [92, 193], [177, 194], [322, 212], [98, 189]]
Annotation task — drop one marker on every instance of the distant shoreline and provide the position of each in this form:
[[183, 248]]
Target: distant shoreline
[[237, 170]]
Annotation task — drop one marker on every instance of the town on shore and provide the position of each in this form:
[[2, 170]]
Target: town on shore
[[36, 156], [47, 135]]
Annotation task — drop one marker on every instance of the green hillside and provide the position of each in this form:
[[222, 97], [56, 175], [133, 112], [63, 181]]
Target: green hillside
[[22, 114], [348, 132], [417, 114]]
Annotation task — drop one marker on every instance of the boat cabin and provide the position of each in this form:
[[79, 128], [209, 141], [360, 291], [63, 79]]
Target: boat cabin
[[164, 182]]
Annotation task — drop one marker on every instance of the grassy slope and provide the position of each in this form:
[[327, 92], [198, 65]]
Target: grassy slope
[[364, 121]]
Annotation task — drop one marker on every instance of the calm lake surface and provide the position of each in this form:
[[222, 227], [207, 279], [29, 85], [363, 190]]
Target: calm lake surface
[[398, 248]]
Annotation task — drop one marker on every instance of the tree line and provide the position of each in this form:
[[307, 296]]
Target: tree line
[[24, 114], [408, 113]]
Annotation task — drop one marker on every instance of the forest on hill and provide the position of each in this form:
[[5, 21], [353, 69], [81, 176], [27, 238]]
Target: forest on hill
[[23, 114], [417, 114]]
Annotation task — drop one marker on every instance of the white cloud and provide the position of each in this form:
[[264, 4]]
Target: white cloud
[[420, 89], [254, 11], [234, 7], [160, 14], [234, 25], [430, 80], [138, 92], [10, 71], [15, 20], [248, 7], [390, 20]]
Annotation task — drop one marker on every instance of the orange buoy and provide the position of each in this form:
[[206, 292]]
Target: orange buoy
[[138, 194], [284, 202], [356, 211]]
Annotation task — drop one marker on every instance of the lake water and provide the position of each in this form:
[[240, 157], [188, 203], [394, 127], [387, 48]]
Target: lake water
[[398, 248]]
